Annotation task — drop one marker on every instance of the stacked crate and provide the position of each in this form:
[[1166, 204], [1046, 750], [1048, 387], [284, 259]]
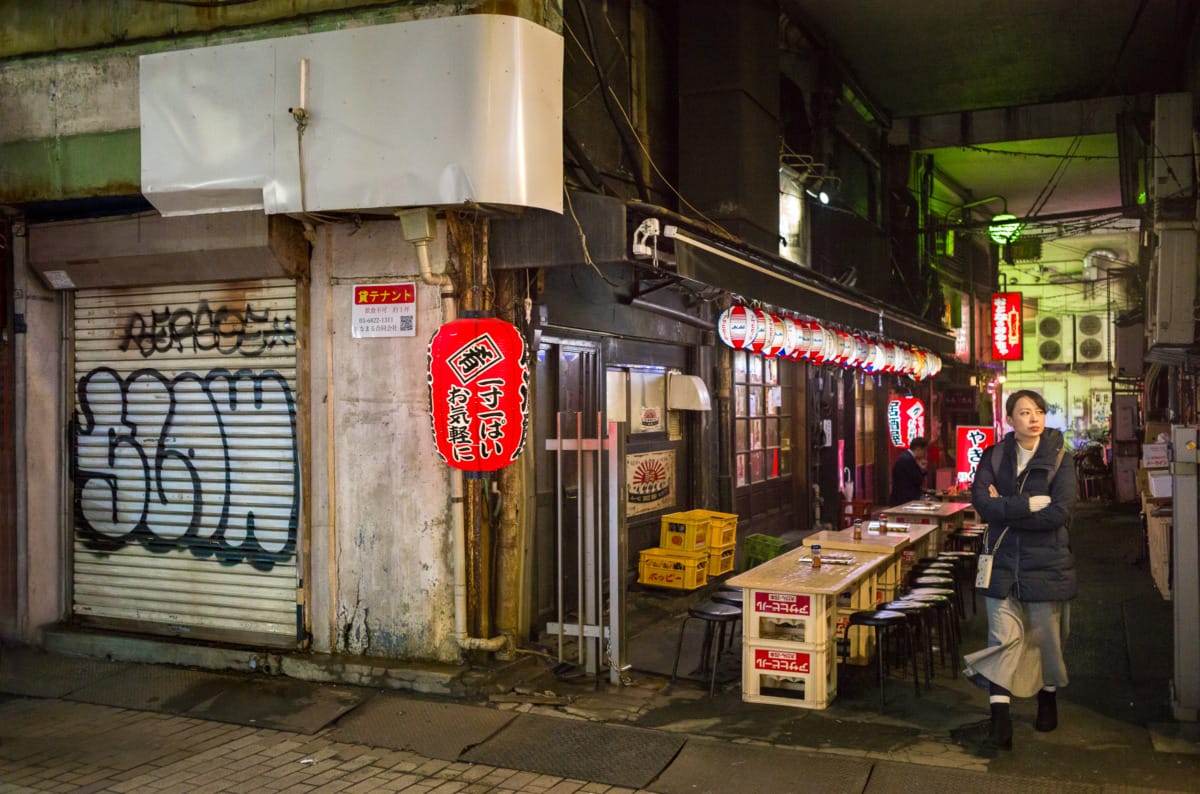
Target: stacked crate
[[693, 545], [722, 539], [789, 657]]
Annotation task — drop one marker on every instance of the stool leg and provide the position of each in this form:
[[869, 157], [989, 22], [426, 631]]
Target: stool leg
[[679, 646], [880, 641], [912, 651]]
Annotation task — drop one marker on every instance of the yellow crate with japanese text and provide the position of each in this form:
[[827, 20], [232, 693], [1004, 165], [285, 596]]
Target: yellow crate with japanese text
[[675, 570], [686, 531], [786, 675]]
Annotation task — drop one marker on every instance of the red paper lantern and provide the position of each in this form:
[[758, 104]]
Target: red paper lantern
[[906, 420], [478, 391]]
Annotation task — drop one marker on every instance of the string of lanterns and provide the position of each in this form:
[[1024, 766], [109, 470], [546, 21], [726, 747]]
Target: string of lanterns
[[801, 339]]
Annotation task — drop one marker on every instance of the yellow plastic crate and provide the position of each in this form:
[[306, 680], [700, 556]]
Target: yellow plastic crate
[[722, 527], [686, 531], [677, 570], [720, 559]]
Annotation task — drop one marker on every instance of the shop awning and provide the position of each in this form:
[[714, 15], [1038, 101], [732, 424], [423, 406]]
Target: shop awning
[[756, 277], [655, 238]]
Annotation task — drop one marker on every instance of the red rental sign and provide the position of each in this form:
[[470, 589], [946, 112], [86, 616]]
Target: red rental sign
[[478, 391], [972, 441], [1007, 326]]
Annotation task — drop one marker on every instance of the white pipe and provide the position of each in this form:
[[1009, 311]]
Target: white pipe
[[457, 517]]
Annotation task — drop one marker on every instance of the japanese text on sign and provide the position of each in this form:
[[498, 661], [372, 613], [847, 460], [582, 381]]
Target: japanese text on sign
[[782, 603], [782, 661], [383, 310], [1006, 326], [972, 441]]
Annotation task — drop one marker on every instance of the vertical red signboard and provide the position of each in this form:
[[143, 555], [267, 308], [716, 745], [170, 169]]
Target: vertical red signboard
[[1007, 326], [906, 420], [478, 391], [972, 441]]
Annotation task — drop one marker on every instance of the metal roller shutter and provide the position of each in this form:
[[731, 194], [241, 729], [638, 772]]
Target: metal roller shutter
[[185, 460]]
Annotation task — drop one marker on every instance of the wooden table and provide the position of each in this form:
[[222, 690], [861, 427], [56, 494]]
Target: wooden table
[[944, 516], [906, 544], [789, 623]]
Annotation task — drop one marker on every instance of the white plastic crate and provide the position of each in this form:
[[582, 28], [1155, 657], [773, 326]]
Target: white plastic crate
[[786, 675], [788, 617]]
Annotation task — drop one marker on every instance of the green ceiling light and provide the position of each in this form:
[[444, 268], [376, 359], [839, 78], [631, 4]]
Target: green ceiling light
[[1004, 228]]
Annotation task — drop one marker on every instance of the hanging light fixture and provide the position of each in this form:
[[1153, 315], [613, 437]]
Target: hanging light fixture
[[1004, 228]]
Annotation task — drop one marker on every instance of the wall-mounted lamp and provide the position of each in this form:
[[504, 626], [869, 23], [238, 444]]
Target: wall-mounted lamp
[[1004, 228]]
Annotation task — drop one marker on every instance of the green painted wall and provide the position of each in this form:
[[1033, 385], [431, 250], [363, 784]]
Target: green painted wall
[[77, 166]]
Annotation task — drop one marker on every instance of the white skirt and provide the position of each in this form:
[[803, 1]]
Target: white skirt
[[1025, 642]]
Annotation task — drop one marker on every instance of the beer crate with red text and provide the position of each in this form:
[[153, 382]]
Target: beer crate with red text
[[675, 570], [784, 674], [789, 617]]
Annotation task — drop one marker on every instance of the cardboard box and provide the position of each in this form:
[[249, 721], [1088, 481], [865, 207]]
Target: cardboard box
[[1154, 429], [1160, 483], [1154, 456]]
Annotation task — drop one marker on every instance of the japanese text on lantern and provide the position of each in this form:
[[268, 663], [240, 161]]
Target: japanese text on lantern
[[906, 420], [478, 391], [1006, 326]]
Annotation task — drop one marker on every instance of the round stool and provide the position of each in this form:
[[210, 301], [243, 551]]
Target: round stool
[[732, 596], [715, 617], [884, 621], [947, 624], [921, 612]]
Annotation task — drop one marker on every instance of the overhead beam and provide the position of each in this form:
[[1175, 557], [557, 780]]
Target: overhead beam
[[1022, 123]]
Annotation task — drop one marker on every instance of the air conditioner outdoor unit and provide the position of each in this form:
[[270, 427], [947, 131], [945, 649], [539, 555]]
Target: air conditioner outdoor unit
[[1091, 338], [1129, 342], [1054, 339], [1172, 294]]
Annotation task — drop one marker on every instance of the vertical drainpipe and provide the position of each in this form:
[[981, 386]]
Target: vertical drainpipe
[[420, 227]]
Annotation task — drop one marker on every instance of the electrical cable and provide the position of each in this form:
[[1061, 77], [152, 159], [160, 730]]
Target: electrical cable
[[643, 188]]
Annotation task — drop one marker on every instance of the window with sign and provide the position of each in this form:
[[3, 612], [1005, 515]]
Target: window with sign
[[762, 399]]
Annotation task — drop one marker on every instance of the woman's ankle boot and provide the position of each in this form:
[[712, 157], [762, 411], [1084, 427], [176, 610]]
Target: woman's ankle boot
[[1047, 716], [1000, 735]]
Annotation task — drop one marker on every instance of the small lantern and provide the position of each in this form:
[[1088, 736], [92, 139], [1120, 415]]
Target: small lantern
[[478, 391], [736, 326]]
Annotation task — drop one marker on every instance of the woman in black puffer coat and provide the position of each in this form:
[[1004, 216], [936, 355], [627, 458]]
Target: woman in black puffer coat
[[1026, 495]]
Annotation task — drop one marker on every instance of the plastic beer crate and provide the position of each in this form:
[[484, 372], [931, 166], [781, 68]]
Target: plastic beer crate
[[787, 675], [722, 527], [789, 617], [676, 570], [687, 531], [720, 559], [760, 548]]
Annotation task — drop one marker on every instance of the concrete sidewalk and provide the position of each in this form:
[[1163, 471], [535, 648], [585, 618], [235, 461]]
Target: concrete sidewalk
[[92, 718]]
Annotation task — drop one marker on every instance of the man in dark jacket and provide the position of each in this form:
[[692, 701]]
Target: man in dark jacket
[[1027, 571], [908, 473]]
